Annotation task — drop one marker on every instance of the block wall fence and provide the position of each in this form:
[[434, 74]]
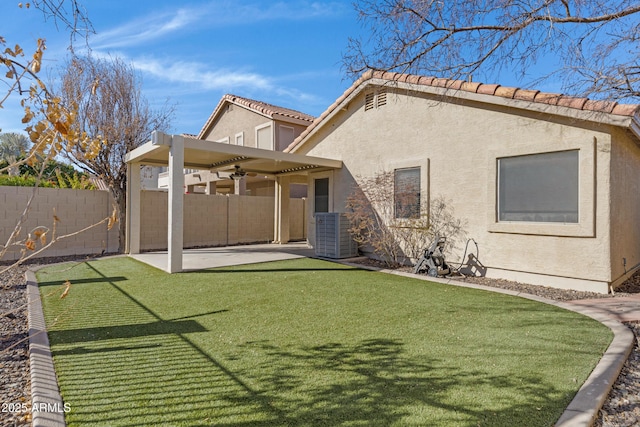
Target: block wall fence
[[218, 220], [208, 220], [76, 210]]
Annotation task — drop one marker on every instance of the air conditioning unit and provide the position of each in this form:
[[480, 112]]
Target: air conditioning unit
[[332, 236]]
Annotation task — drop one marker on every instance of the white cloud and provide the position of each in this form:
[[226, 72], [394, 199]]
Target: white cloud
[[198, 75], [217, 13], [142, 30]]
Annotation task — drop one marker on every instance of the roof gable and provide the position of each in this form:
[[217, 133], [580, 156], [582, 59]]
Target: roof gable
[[488, 93], [269, 111]]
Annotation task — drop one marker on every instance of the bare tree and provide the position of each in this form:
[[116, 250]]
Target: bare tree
[[594, 42], [110, 106]]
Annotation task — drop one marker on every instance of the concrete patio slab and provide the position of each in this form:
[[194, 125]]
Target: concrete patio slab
[[203, 258]]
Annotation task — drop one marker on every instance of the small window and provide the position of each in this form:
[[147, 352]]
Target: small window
[[286, 135], [240, 139], [321, 195], [539, 187], [406, 193], [264, 137]]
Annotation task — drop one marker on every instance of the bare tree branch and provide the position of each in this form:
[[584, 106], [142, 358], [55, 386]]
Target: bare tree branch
[[594, 42]]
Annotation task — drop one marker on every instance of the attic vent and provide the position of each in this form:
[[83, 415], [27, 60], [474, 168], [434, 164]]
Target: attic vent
[[375, 99], [369, 101], [382, 98]]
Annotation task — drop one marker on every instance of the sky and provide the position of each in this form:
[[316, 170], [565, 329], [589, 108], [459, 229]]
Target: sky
[[190, 53]]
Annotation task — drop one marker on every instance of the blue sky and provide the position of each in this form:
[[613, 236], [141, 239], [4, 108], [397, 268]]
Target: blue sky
[[286, 53]]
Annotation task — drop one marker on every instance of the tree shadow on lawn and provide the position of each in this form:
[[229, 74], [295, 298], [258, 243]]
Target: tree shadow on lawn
[[373, 382]]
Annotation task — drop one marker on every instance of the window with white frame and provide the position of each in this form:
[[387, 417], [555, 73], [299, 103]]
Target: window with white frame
[[264, 137], [539, 187], [406, 193], [240, 139]]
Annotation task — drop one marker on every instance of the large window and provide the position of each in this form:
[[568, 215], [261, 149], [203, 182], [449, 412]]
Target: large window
[[321, 195], [539, 187], [406, 193]]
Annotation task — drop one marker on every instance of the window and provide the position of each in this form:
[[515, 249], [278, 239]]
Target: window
[[539, 187], [264, 137], [240, 138], [286, 135], [321, 195], [406, 193]]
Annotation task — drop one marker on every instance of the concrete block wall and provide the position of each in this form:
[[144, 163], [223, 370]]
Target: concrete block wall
[[76, 209], [216, 220]]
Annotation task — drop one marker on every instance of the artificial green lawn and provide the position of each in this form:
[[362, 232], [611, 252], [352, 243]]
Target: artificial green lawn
[[307, 342]]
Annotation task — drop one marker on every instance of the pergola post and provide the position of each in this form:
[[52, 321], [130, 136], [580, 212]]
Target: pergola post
[[132, 230], [175, 236], [281, 217]]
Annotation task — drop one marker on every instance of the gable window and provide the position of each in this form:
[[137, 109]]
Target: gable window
[[264, 137], [406, 193], [539, 187], [286, 135], [321, 195]]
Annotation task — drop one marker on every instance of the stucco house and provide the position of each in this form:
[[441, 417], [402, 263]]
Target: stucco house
[[249, 123], [547, 185]]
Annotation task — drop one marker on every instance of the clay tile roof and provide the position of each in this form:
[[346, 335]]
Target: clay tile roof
[[626, 109], [268, 109], [571, 102], [547, 98], [506, 91], [486, 89], [526, 95], [470, 86], [260, 107], [533, 96], [604, 106]]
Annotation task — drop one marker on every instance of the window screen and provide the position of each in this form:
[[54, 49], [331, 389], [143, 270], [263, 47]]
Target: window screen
[[321, 195], [539, 187], [406, 193]]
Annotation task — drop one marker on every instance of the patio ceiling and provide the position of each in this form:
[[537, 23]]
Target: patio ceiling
[[215, 156]]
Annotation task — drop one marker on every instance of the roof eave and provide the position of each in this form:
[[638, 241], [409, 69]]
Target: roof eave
[[508, 98]]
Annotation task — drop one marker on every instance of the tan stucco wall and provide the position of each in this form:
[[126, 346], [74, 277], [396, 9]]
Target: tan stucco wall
[[456, 145], [76, 210], [625, 201], [216, 220], [234, 120]]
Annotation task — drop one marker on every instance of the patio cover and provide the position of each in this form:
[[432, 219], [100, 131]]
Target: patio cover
[[179, 152]]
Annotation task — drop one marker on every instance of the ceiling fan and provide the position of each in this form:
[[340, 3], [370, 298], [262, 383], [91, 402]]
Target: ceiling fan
[[239, 173]]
